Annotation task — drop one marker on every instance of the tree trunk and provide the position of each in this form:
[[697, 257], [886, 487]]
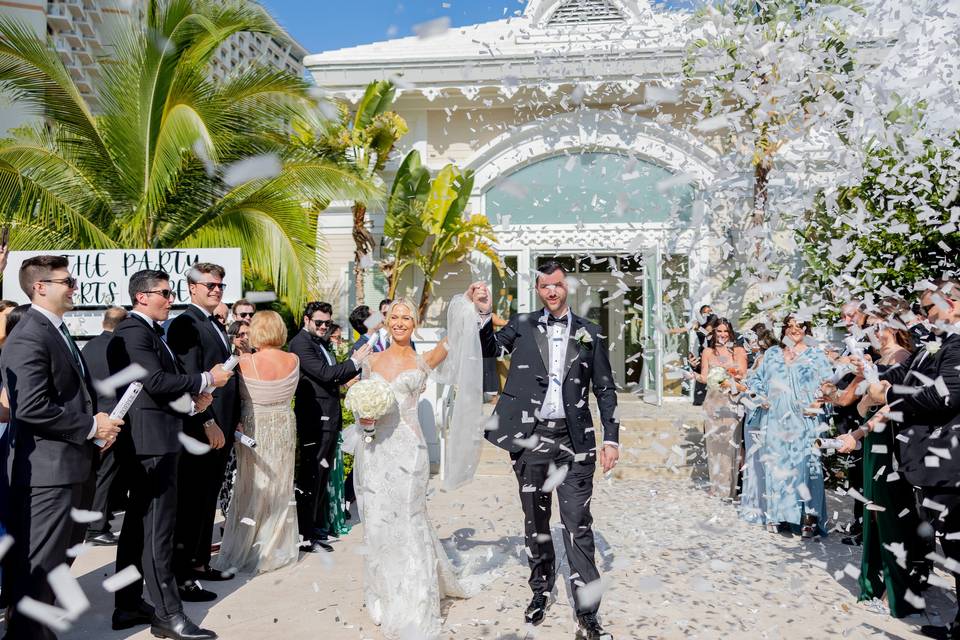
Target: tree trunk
[[364, 244], [761, 181], [425, 296]]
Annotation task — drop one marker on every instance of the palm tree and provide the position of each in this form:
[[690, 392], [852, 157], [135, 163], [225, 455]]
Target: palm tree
[[148, 170], [365, 141], [426, 227]]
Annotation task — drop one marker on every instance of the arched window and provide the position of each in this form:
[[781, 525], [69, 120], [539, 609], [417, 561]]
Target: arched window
[[590, 187]]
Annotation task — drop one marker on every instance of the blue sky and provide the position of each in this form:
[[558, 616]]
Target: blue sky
[[321, 25]]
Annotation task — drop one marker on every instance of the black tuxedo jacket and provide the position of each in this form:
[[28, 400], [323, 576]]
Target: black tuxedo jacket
[[152, 425], [194, 338], [95, 357], [587, 363], [317, 402], [52, 405]]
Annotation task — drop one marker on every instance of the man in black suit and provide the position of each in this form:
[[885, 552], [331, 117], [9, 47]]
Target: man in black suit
[[317, 408], [52, 431], [199, 340], [108, 487], [544, 421], [150, 450], [359, 318], [927, 396]]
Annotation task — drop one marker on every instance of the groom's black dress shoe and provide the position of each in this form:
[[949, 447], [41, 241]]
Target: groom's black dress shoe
[[537, 610], [125, 619], [179, 627], [588, 628], [191, 591], [208, 573]]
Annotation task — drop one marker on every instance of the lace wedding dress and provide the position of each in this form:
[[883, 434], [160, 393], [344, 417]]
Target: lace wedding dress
[[261, 526], [407, 570]]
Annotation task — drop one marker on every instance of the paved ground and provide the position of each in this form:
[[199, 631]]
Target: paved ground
[[679, 565]]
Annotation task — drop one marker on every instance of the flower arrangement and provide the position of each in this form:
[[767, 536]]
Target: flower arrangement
[[716, 377], [369, 400]]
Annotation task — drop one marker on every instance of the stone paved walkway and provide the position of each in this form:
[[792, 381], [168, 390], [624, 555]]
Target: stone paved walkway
[[679, 565]]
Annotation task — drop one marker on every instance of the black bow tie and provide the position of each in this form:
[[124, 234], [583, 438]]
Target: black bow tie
[[158, 329], [216, 321], [551, 320]]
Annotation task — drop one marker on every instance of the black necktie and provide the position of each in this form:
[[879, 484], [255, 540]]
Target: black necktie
[[71, 344], [551, 320]]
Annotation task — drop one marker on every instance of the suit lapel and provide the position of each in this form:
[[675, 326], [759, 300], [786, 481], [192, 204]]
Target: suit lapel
[[213, 329], [57, 337], [573, 348], [540, 333]]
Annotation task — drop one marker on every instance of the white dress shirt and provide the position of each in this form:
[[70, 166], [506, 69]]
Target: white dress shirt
[[206, 380], [558, 337], [57, 321]]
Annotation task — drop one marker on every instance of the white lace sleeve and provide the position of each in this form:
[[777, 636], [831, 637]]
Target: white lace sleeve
[[463, 370]]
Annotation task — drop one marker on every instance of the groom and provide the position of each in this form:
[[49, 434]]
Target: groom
[[544, 422]]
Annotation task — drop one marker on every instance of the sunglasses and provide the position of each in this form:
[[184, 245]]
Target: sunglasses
[[166, 293], [70, 281], [245, 314], [322, 323], [213, 285]]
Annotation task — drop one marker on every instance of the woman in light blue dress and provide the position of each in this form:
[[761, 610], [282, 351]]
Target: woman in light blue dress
[[789, 379], [753, 500]]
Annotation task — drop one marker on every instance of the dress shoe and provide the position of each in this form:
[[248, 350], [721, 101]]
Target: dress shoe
[[105, 539], [191, 591], [179, 627], [949, 632], [208, 573], [125, 619], [537, 609], [588, 628], [316, 546]]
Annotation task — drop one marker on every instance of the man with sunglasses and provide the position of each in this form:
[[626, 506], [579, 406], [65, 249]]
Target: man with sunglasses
[[151, 450], [317, 409], [199, 340], [243, 309], [52, 432]]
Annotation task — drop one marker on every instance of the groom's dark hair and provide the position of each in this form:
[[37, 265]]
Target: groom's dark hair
[[548, 268]]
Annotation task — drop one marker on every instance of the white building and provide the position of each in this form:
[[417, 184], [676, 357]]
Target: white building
[[550, 110], [244, 49]]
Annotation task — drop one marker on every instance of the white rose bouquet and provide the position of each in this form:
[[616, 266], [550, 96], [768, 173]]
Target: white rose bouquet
[[369, 400], [716, 376]]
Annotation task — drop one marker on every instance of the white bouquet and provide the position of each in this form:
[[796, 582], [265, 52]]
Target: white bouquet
[[369, 400], [716, 376]]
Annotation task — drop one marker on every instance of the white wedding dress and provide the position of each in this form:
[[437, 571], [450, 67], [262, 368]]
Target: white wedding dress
[[407, 571]]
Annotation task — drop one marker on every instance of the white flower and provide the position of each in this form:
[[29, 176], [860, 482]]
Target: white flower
[[932, 347], [369, 400], [582, 336], [716, 376]]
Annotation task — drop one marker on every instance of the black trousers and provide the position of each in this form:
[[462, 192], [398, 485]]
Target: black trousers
[[313, 472], [107, 488], [42, 530], [199, 481], [532, 468], [146, 539], [944, 522]]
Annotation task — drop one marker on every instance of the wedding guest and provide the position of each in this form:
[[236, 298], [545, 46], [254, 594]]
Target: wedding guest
[[753, 501], [382, 340], [239, 334], [704, 332], [242, 309], [359, 319], [336, 336], [917, 325], [723, 417], [789, 377], [221, 313], [888, 564], [108, 476], [261, 532], [54, 422], [151, 448], [199, 341], [319, 421], [6, 306]]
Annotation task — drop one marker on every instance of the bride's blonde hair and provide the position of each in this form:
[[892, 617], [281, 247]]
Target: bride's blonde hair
[[401, 302]]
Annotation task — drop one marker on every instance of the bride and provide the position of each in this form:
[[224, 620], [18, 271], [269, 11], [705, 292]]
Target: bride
[[407, 571]]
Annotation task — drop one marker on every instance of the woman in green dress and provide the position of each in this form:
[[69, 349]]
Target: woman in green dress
[[892, 565], [337, 511]]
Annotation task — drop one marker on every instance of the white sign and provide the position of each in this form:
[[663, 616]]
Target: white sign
[[104, 275]]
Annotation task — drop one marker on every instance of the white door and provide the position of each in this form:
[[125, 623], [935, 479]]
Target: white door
[[652, 323]]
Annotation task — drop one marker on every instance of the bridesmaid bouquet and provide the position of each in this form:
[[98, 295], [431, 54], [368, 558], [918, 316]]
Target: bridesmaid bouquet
[[369, 400], [716, 376]]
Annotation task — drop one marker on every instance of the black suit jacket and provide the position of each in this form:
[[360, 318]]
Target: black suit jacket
[[925, 411], [152, 425], [95, 357], [52, 406], [317, 402], [587, 363], [194, 339]]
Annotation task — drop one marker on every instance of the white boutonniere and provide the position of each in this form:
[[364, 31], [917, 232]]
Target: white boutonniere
[[582, 337], [932, 347]]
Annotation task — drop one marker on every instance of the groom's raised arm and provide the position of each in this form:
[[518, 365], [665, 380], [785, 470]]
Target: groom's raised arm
[[495, 343]]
